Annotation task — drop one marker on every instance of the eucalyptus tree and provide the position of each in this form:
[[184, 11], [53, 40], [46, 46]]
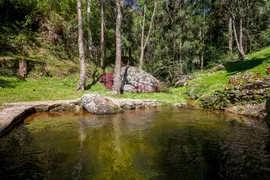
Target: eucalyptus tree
[[241, 13], [90, 40], [117, 70], [144, 40], [81, 84], [102, 45]]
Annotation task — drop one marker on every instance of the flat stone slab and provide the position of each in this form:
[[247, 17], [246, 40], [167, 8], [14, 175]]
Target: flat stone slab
[[46, 106], [11, 116], [13, 113]]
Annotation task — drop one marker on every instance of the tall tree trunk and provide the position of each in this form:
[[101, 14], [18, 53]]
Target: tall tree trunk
[[241, 37], [240, 49], [230, 35], [142, 36], [117, 70], [129, 56], [180, 57], [180, 4], [22, 67], [144, 43], [81, 84], [201, 49], [90, 43], [102, 34]]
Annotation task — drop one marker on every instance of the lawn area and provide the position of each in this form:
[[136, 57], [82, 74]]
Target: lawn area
[[41, 89], [13, 89]]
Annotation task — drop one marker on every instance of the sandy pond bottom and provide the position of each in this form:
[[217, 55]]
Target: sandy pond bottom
[[138, 144]]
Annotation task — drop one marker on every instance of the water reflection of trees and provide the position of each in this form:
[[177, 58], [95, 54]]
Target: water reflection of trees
[[143, 144], [19, 158], [118, 152]]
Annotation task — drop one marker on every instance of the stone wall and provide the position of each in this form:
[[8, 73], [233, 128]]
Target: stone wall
[[238, 97]]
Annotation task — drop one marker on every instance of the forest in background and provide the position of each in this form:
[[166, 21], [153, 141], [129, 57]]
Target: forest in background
[[167, 38]]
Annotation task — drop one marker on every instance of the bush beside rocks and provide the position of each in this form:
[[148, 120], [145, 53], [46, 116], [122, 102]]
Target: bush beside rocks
[[183, 81]]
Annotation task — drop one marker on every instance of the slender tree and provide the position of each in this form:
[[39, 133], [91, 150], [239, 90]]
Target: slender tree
[[117, 70], [90, 41], [230, 36], [201, 51], [144, 41], [237, 10], [81, 84], [102, 47]]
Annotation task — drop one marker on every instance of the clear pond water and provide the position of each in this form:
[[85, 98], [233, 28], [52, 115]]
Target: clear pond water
[[150, 144]]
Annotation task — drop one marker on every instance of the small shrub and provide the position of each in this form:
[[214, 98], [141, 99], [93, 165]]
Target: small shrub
[[6, 72], [267, 71], [163, 87], [107, 80]]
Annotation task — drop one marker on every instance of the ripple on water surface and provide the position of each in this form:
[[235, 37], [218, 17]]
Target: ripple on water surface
[[139, 144]]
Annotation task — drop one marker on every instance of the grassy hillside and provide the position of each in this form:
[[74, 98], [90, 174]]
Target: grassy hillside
[[206, 82], [34, 88]]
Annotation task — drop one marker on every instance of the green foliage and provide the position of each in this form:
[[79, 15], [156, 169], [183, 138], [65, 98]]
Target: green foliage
[[265, 37]]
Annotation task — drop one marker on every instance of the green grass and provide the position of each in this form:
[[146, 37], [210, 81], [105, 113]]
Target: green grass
[[176, 95], [46, 88], [41, 89]]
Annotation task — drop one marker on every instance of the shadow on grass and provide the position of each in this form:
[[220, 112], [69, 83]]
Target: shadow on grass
[[7, 84], [10, 67], [239, 66], [95, 78]]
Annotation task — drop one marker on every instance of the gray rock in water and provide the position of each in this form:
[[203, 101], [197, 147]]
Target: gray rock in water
[[136, 80], [97, 104]]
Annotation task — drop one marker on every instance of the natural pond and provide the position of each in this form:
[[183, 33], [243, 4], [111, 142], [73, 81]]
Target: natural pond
[[138, 144]]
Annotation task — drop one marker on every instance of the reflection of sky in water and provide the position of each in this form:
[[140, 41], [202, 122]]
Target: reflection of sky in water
[[139, 144]]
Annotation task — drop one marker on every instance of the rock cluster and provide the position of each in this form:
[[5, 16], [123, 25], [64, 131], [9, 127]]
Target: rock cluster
[[239, 78], [254, 92], [137, 80]]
